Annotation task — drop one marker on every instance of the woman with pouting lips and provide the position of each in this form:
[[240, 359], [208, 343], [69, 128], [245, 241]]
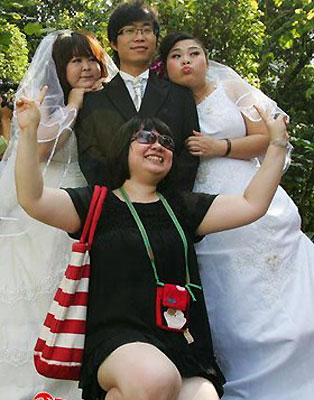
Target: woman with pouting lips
[[258, 280]]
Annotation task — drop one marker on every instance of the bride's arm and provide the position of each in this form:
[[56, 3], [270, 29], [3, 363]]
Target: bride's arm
[[256, 141], [51, 206], [231, 211], [245, 148], [252, 145]]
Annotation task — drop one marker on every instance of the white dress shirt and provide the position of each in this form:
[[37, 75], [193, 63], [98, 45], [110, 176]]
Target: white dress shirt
[[130, 82]]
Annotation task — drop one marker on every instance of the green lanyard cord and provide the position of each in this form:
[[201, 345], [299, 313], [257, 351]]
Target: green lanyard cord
[[148, 247]]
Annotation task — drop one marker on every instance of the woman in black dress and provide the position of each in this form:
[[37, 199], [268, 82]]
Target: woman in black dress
[[138, 344]]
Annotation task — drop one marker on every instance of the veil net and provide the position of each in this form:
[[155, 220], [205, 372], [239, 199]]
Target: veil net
[[245, 96], [56, 118]]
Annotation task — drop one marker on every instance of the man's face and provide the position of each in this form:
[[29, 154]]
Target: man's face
[[136, 44]]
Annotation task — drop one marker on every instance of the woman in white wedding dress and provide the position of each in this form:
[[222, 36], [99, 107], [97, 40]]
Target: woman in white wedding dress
[[33, 255], [258, 280]]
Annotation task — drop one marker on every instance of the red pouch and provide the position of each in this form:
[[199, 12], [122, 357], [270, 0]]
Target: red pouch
[[172, 307]]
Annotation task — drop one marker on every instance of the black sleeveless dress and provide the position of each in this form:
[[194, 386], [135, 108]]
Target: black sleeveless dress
[[122, 290]]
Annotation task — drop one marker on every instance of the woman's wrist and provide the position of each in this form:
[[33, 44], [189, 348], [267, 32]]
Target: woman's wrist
[[73, 106], [279, 143], [227, 148], [29, 131]]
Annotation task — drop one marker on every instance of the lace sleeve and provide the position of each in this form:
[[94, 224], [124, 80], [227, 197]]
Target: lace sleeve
[[245, 96]]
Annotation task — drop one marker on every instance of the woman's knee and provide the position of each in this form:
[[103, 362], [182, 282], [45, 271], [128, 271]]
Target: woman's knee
[[161, 382], [149, 376], [149, 380], [197, 388], [148, 384]]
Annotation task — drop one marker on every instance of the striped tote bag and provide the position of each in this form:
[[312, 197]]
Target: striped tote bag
[[58, 352]]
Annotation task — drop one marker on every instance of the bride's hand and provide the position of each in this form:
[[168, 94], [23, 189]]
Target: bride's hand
[[76, 95], [28, 113], [205, 146], [75, 99], [99, 84]]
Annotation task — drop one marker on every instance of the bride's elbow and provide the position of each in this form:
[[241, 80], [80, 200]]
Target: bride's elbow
[[257, 213]]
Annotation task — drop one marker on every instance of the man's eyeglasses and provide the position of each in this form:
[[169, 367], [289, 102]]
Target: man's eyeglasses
[[132, 32], [149, 137]]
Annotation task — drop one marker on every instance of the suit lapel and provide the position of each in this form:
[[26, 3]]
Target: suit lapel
[[120, 97], [155, 95]]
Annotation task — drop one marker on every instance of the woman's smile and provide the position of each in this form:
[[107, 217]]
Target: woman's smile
[[155, 158]]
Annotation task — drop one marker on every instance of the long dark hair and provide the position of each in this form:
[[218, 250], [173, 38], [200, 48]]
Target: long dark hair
[[71, 44], [119, 152]]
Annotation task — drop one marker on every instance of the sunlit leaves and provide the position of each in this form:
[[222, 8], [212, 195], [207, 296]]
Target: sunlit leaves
[[13, 53], [32, 28]]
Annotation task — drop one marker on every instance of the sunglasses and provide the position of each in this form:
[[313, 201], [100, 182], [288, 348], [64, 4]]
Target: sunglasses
[[149, 137]]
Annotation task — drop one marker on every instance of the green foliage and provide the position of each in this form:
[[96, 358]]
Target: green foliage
[[287, 75], [231, 31], [13, 53], [300, 177]]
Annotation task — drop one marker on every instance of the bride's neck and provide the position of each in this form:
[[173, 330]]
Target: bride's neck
[[202, 91]]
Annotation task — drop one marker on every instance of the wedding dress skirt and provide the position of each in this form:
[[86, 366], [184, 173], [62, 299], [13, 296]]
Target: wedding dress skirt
[[258, 280], [33, 259]]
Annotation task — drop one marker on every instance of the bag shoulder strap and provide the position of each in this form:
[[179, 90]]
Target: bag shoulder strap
[[93, 214], [98, 208]]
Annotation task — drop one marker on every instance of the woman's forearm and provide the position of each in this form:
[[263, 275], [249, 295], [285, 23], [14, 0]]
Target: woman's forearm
[[245, 148], [248, 147], [254, 144], [28, 177], [262, 187]]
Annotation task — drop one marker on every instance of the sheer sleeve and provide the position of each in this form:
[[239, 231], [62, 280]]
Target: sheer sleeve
[[245, 96]]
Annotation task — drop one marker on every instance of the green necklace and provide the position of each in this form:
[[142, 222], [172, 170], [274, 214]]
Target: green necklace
[[148, 247]]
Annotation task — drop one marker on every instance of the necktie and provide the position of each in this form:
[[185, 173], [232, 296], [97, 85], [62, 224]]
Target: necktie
[[138, 93]]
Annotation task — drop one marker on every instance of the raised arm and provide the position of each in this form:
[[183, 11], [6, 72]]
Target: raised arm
[[231, 211], [51, 206]]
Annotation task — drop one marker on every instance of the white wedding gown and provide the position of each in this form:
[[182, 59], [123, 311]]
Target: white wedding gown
[[258, 280], [33, 259]]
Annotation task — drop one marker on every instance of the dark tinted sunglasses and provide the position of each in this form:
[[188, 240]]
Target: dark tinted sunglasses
[[149, 137]]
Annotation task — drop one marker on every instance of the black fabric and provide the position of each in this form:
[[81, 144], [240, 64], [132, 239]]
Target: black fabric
[[122, 292], [105, 111]]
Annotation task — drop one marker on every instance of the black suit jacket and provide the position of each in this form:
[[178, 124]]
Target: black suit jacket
[[106, 110]]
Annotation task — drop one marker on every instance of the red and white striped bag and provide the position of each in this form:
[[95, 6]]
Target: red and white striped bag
[[58, 352]]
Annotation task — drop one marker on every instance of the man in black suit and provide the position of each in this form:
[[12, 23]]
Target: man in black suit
[[133, 32]]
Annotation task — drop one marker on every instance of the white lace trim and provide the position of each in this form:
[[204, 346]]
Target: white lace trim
[[47, 284], [267, 258], [16, 357]]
